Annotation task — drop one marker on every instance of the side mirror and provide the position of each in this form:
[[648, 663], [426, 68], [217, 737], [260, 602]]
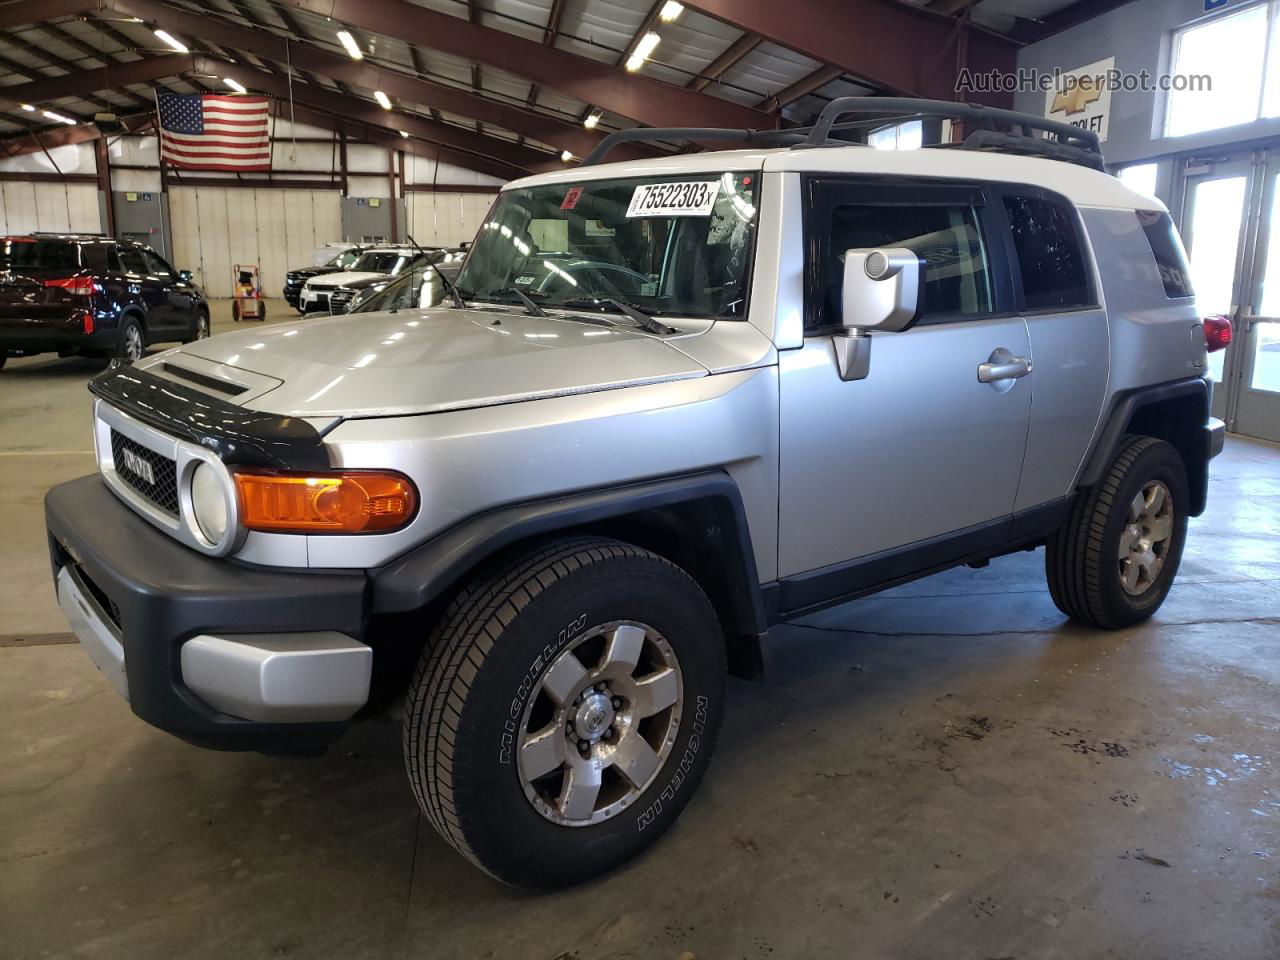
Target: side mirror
[[881, 290], [185, 276]]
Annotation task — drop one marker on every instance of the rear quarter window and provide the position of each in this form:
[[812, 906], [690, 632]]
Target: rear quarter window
[[1171, 257], [1050, 255]]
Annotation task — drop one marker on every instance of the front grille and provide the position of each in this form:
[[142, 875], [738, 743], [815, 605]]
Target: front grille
[[163, 492], [340, 299]]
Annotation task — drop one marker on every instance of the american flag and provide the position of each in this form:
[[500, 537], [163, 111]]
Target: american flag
[[207, 131]]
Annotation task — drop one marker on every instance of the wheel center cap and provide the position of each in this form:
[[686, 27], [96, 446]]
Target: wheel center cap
[[593, 717]]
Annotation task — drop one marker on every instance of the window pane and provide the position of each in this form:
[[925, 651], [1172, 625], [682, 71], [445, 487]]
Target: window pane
[[956, 278], [1166, 247], [1266, 357], [1140, 177], [898, 136], [1230, 50], [1269, 283], [1049, 255], [1217, 208], [133, 260]]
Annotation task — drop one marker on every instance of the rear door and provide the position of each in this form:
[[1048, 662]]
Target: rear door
[[145, 289], [1056, 291], [920, 450], [179, 294]]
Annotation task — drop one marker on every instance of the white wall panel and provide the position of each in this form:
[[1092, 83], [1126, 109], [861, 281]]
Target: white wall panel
[[70, 158], [185, 227], [83, 215], [215, 255], [273, 231], [326, 206]]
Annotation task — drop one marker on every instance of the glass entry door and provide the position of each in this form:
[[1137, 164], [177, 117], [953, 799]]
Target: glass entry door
[[1231, 226], [1256, 393], [1214, 222]]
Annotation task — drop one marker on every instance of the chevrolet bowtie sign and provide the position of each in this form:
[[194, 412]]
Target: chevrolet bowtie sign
[[1082, 97]]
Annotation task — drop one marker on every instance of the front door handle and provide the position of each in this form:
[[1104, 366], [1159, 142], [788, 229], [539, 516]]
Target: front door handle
[[1002, 365]]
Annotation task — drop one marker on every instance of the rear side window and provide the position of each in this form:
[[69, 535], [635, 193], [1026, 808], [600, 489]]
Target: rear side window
[[17, 254], [133, 260], [1171, 258], [100, 257], [1049, 254], [957, 278]]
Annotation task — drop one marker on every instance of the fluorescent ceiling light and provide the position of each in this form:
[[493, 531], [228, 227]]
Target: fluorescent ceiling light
[[57, 116], [169, 39], [592, 119], [235, 85], [566, 156], [383, 100], [349, 42], [670, 11], [29, 108], [643, 49], [404, 134]]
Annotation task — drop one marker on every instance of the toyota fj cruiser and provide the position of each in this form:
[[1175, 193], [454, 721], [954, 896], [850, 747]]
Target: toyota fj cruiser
[[558, 510]]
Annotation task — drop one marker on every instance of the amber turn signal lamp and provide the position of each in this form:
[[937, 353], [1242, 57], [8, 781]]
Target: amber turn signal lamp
[[342, 501]]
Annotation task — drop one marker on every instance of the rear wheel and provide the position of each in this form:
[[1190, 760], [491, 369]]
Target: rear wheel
[[1112, 563], [130, 345], [235, 311], [201, 328], [564, 711]]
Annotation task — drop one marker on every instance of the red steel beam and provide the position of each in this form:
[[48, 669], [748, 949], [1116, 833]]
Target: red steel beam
[[20, 13], [633, 95], [891, 45], [46, 138], [341, 68], [82, 82], [721, 64]]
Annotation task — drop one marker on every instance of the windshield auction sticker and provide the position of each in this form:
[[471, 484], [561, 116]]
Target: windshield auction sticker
[[674, 199]]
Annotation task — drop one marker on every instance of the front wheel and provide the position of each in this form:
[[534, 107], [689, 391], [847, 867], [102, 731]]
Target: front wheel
[[201, 328], [565, 710], [1112, 563]]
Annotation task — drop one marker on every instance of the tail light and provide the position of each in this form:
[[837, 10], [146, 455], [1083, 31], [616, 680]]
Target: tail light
[[1217, 333], [344, 501], [76, 286]]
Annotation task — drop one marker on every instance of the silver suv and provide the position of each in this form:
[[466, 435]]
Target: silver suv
[[673, 403]]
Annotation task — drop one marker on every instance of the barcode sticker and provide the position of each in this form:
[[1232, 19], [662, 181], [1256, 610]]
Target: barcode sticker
[[693, 199]]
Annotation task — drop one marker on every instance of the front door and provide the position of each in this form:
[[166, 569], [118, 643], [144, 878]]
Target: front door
[[920, 449]]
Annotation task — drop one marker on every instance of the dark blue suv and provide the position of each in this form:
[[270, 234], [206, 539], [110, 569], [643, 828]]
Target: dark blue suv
[[75, 294]]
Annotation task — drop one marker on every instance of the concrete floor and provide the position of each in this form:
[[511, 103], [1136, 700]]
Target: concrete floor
[[945, 770]]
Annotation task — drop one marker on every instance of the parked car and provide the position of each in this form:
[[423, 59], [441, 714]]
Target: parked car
[[573, 275], [416, 286], [89, 295], [554, 518], [333, 292], [294, 279]]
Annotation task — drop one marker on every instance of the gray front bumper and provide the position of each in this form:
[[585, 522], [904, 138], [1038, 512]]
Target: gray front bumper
[[270, 678]]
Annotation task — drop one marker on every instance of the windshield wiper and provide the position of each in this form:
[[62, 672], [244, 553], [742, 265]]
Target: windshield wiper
[[530, 305], [448, 285], [642, 319]]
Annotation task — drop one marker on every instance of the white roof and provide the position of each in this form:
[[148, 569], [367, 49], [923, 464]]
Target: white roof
[[1083, 186]]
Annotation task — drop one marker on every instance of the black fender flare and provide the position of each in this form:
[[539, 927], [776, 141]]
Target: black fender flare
[[1190, 438], [416, 579]]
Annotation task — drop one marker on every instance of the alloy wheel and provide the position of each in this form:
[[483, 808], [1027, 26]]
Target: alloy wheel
[[600, 723], [1145, 540], [132, 347]]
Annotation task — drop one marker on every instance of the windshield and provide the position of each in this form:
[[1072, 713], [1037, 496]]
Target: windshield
[[676, 245], [380, 261], [344, 259]]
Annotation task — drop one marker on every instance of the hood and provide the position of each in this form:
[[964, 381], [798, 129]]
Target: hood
[[426, 361], [305, 272], [347, 278]]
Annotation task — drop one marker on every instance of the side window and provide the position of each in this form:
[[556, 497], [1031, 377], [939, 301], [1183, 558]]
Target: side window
[[957, 274], [133, 260], [1049, 254], [1171, 258], [95, 257], [156, 264]]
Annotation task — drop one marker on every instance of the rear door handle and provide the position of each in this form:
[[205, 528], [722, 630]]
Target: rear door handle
[[1003, 366]]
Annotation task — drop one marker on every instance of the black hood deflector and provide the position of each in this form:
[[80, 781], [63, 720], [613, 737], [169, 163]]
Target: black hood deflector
[[250, 438]]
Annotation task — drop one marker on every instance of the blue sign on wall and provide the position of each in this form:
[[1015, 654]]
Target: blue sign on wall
[[1214, 4]]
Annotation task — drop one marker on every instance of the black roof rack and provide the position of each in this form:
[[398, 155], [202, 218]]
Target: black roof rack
[[986, 128]]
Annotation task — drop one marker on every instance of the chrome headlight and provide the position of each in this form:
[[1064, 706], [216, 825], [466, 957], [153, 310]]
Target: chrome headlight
[[209, 505]]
